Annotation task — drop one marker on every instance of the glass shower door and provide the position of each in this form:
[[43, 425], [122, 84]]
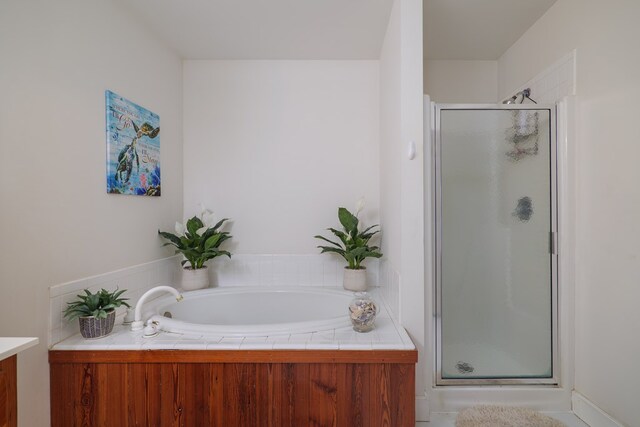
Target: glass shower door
[[495, 238]]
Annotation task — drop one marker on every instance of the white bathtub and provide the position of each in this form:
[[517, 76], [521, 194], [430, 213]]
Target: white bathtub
[[249, 311]]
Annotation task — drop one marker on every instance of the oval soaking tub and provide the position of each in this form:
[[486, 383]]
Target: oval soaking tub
[[249, 311]]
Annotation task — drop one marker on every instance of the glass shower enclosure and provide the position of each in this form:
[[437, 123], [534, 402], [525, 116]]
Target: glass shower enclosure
[[496, 238]]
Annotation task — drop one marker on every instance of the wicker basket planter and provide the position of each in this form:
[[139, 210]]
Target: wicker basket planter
[[94, 327]]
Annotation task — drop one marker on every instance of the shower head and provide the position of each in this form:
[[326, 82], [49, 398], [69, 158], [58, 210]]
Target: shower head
[[524, 94]]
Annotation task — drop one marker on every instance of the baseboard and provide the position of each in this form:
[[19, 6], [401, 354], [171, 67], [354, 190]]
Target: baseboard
[[455, 399], [422, 408], [591, 414]]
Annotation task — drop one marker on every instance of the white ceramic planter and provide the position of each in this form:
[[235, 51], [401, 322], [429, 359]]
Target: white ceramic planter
[[195, 279], [355, 280]]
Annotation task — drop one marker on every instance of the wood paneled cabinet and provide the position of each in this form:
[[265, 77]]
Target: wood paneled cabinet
[[8, 395], [232, 388]]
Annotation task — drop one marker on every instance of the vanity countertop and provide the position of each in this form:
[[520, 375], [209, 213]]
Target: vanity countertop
[[10, 346]]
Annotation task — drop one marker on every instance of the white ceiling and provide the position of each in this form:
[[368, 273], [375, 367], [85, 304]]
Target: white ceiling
[[477, 29], [267, 29], [331, 29]]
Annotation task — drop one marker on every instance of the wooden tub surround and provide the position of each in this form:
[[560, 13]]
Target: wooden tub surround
[[228, 388]]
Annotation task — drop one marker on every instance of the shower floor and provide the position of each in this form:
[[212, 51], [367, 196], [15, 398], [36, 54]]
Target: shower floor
[[480, 360]]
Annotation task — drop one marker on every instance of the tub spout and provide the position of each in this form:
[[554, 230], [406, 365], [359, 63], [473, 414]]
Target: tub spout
[[137, 323]]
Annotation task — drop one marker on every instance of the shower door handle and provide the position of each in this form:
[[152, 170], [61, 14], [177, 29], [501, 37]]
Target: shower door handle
[[553, 242]]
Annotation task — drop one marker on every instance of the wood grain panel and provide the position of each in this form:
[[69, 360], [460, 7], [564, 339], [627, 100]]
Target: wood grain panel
[[402, 395], [301, 397], [231, 394], [142, 407], [265, 410], [380, 390], [353, 387], [61, 407], [288, 398], [194, 388], [84, 375], [240, 394], [323, 388], [216, 395], [112, 390], [152, 375], [8, 392], [170, 410]]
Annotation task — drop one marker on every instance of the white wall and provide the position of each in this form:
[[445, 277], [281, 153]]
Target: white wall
[[401, 179], [459, 81], [412, 295], [391, 141], [56, 220], [605, 35], [278, 145]]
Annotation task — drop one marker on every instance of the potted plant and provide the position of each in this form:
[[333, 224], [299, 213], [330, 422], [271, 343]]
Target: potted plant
[[353, 247], [198, 241], [96, 312]]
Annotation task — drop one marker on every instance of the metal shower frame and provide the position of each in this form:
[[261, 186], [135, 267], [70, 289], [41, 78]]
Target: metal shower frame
[[553, 380]]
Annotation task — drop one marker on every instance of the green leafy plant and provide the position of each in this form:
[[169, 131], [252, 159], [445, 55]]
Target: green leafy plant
[[199, 239], [354, 244], [97, 305]]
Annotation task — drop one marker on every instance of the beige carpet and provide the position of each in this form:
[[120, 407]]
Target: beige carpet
[[504, 416]]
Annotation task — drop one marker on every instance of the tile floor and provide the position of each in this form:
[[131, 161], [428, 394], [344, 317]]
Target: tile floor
[[449, 420]]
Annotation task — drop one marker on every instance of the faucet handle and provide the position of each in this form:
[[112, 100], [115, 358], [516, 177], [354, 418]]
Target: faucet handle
[[137, 325], [129, 316], [151, 330]]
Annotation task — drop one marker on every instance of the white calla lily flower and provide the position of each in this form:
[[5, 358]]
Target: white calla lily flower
[[200, 231], [204, 211], [207, 219], [181, 230], [359, 205]]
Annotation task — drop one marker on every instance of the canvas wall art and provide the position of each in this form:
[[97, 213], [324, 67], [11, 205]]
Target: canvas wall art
[[133, 148]]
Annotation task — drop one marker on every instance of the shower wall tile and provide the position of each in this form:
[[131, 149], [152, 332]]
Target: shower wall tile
[[555, 82], [136, 280], [284, 270]]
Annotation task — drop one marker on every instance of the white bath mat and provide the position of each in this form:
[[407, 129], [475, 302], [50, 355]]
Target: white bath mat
[[504, 416]]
